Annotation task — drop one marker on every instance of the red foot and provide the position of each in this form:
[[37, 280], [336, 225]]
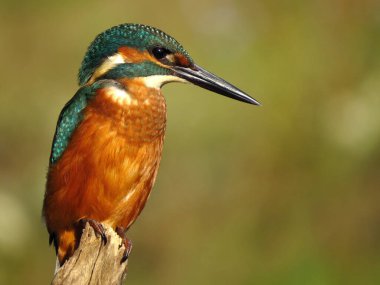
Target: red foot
[[98, 228], [126, 242]]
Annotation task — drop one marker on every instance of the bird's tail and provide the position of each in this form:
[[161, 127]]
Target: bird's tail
[[65, 245]]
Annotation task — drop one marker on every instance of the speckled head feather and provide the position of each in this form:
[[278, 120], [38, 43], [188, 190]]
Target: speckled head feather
[[136, 36]]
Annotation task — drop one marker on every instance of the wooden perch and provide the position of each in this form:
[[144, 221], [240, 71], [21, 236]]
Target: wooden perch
[[93, 262]]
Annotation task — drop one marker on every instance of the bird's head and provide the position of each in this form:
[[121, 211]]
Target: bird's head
[[142, 52]]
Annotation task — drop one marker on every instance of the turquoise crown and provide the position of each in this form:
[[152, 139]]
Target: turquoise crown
[[137, 36]]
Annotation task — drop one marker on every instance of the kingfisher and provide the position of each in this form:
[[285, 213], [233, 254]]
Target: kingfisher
[[108, 141]]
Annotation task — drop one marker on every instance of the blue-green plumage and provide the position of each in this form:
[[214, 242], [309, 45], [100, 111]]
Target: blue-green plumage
[[128, 70], [132, 35], [72, 114], [69, 118]]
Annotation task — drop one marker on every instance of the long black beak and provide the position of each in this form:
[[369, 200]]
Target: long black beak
[[198, 76]]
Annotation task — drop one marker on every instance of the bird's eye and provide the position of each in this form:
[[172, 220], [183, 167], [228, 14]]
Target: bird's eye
[[160, 52]]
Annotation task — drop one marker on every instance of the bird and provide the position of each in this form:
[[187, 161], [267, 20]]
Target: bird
[[109, 136]]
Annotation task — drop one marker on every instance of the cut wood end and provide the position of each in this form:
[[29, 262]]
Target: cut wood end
[[93, 262]]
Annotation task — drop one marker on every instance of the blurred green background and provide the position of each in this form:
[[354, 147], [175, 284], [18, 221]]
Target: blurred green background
[[286, 193]]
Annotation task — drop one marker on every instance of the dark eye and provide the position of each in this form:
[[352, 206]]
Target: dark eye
[[160, 52]]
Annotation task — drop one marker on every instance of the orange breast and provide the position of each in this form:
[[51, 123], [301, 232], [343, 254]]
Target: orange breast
[[110, 165]]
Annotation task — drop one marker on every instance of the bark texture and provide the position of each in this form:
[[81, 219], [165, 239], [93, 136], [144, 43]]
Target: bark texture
[[93, 262]]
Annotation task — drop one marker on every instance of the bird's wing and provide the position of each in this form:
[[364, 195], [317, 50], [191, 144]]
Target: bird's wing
[[68, 120], [72, 114]]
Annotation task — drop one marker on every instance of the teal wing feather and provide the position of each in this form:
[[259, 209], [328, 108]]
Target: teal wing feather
[[71, 116]]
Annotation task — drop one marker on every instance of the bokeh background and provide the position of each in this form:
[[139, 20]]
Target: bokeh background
[[286, 193]]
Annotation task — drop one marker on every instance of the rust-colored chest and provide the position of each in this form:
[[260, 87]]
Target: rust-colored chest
[[109, 167], [138, 113]]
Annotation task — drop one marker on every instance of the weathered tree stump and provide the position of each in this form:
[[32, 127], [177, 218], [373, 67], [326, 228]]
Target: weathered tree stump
[[93, 262]]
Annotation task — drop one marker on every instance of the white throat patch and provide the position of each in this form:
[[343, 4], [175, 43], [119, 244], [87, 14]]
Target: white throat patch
[[156, 81], [107, 65], [120, 96]]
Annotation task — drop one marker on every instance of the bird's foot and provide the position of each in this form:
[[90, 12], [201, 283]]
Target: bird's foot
[[98, 228], [125, 241]]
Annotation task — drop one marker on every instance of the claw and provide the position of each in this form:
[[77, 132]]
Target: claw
[[127, 251], [126, 242], [98, 228]]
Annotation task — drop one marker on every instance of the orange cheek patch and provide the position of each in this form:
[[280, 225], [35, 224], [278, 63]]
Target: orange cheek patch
[[182, 60], [132, 55]]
